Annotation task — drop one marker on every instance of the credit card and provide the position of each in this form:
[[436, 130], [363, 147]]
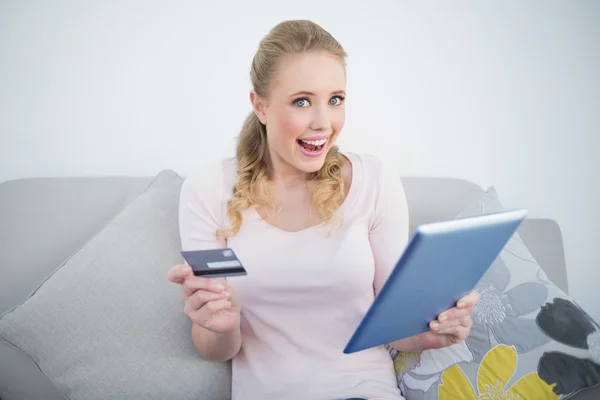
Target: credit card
[[214, 263]]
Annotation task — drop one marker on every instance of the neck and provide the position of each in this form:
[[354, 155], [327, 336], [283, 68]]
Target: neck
[[284, 174]]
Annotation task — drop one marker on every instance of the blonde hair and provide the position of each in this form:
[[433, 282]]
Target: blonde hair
[[252, 184]]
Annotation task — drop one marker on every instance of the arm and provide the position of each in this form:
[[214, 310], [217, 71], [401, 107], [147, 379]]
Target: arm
[[200, 212], [388, 236], [216, 346]]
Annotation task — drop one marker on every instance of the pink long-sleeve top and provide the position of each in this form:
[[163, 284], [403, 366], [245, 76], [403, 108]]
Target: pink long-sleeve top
[[305, 292]]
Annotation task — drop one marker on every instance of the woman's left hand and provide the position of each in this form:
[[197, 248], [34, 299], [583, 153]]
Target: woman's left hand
[[452, 326]]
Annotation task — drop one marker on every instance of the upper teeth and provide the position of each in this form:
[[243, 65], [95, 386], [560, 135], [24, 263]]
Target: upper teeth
[[315, 142]]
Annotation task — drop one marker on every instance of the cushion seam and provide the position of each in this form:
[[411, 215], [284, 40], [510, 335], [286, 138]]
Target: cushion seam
[[14, 346]]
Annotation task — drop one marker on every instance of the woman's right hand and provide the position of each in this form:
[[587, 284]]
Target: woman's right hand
[[209, 302]]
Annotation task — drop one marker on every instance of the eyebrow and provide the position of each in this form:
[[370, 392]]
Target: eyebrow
[[312, 94]]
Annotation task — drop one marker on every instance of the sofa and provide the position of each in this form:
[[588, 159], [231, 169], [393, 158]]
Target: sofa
[[45, 225]]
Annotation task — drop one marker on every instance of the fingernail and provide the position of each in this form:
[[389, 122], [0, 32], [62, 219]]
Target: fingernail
[[220, 287], [434, 325], [443, 317], [461, 304]]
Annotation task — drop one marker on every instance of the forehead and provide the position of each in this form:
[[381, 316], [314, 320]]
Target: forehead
[[320, 73]]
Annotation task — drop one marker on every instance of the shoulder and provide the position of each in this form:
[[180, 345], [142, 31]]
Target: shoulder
[[210, 183], [211, 175], [379, 185], [373, 170]]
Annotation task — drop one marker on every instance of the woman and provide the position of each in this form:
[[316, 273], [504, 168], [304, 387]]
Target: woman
[[317, 230]]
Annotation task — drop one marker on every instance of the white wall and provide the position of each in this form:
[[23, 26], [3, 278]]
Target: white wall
[[504, 93]]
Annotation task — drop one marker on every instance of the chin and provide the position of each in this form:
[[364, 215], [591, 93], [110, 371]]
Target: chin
[[310, 167]]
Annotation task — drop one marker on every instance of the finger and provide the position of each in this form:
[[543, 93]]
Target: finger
[[205, 313], [466, 322], [447, 327], [194, 283], [446, 330], [217, 305], [437, 327], [459, 333], [220, 281], [179, 273], [455, 313], [200, 298], [469, 300]]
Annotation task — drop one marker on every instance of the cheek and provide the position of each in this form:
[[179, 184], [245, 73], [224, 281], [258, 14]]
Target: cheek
[[289, 124], [337, 120]]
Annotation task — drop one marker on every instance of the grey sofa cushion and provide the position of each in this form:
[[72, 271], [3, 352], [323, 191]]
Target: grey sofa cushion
[[45, 220], [108, 324]]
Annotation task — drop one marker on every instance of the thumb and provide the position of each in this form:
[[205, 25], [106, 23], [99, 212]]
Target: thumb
[[179, 273]]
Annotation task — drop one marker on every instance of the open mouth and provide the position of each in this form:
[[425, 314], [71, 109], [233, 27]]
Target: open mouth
[[312, 146]]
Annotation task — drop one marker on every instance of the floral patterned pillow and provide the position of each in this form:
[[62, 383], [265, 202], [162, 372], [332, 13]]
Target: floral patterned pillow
[[529, 339]]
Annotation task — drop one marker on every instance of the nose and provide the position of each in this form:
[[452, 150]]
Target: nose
[[320, 119]]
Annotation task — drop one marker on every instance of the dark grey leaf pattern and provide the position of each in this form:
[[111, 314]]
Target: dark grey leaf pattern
[[568, 372], [565, 322]]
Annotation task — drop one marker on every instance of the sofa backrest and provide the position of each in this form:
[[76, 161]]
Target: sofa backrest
[[45, 220]]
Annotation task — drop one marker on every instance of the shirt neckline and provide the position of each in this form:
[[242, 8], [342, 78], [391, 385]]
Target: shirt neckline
[[345, 206]]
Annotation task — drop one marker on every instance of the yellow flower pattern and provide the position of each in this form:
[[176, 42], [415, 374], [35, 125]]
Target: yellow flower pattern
[[495, 371], [404, 362]]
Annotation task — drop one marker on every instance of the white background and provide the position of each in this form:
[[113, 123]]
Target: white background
[[503, 93]]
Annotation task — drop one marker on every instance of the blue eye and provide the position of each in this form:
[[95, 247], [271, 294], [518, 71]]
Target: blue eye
[[336, 101], [301, 102]]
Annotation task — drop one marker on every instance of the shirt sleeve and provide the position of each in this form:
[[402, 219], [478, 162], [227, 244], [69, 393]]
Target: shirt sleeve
[[389, 230], [202, 208]]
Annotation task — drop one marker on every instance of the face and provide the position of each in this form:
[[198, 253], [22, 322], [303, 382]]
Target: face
[[304, 112]]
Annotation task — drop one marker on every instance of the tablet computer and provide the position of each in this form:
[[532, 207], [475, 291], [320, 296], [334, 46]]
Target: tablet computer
[[442, 262]]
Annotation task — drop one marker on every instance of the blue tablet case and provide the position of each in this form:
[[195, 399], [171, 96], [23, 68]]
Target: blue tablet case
[[442, 262]]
